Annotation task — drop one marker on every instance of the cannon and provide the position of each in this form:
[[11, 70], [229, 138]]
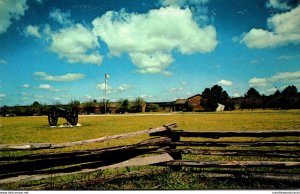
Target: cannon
[[71, 115]]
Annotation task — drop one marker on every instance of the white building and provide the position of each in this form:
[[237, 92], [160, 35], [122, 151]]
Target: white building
[[220, 107]]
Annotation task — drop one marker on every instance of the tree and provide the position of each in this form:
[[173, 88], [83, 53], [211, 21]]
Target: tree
[[125, 106], [212, 96], [4, 111], [274, 100], [36, 108], [90, 107], [138, 104], [289, 98], [252, 93], [45, 109], [252, 99], [74, 103], [290, 91], [152, 108]]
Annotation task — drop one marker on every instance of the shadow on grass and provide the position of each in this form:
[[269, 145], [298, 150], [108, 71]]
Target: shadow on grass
[[167, 179]]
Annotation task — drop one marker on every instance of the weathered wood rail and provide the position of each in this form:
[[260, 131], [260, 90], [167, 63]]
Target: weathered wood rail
[[36, 146], [40, 166], [269, 154], [272, 154]]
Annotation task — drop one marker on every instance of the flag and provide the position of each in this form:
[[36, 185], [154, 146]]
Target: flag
[[107, 76]]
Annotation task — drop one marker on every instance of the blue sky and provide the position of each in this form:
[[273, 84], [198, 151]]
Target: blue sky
[[58, 51]]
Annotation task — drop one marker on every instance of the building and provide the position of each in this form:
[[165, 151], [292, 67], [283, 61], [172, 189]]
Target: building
[[162, 106], [181, 105], [191, 104], [194, 103], [220, 107]]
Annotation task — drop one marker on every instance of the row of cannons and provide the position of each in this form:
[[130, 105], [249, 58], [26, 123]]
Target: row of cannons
[[71, 115]]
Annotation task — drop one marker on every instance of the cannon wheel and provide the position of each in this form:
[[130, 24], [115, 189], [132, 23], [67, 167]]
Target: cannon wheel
[[74, 117], [52, 118]]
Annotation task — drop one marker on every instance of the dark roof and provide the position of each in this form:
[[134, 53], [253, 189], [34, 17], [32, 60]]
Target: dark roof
[[180, 101], [161, 103], [194, 96]]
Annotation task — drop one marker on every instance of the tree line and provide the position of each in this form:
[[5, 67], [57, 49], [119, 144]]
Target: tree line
[[89, 107], [288, 98]]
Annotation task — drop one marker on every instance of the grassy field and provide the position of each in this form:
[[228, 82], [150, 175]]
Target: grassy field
[[19, 130], [15, 130]]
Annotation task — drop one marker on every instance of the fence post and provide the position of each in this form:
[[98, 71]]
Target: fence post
[[175, 137]]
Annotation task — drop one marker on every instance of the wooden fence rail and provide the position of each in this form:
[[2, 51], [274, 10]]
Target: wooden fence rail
[[220, 134], [40, 166], [260, 155], [249, 151], [36, 146]]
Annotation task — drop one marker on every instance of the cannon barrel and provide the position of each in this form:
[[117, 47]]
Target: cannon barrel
[[71, 115]]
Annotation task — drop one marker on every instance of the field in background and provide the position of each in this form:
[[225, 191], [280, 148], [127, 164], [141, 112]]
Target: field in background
[[15, 130], [19, 130]]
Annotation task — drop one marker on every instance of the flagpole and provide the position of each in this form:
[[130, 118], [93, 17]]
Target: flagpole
[[105, 80]]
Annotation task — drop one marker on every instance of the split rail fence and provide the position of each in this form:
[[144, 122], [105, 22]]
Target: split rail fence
[[243, 154]]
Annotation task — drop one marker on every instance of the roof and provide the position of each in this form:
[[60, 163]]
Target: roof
[[180, 101], [194, 96], [161, 103]]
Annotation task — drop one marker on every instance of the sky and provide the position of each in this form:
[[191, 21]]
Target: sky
[[160, 50]]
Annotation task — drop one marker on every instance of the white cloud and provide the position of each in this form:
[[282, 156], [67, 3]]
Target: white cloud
[[77, 44], [272, 90], [181, 3], [109, 89], [258, 82], [278, 4], [25, 94], [61, 17], [24, 98], [26, 86], [286, 77], [284, 29], [101, 86], [183, 83], [197, 7], [123, 87], [2, 61], [11, 10], [47, 31], [288, 57], [62, 78], [2, 95], [151, 63], [235, 39], [145, 96], [150, 38], [236, 95], [225, 82], [88, 97], [283, 77], [33, 31], [47, 87], [39, 96]]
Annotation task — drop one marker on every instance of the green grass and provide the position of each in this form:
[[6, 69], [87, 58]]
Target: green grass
[[20, 130], [15, 130]]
